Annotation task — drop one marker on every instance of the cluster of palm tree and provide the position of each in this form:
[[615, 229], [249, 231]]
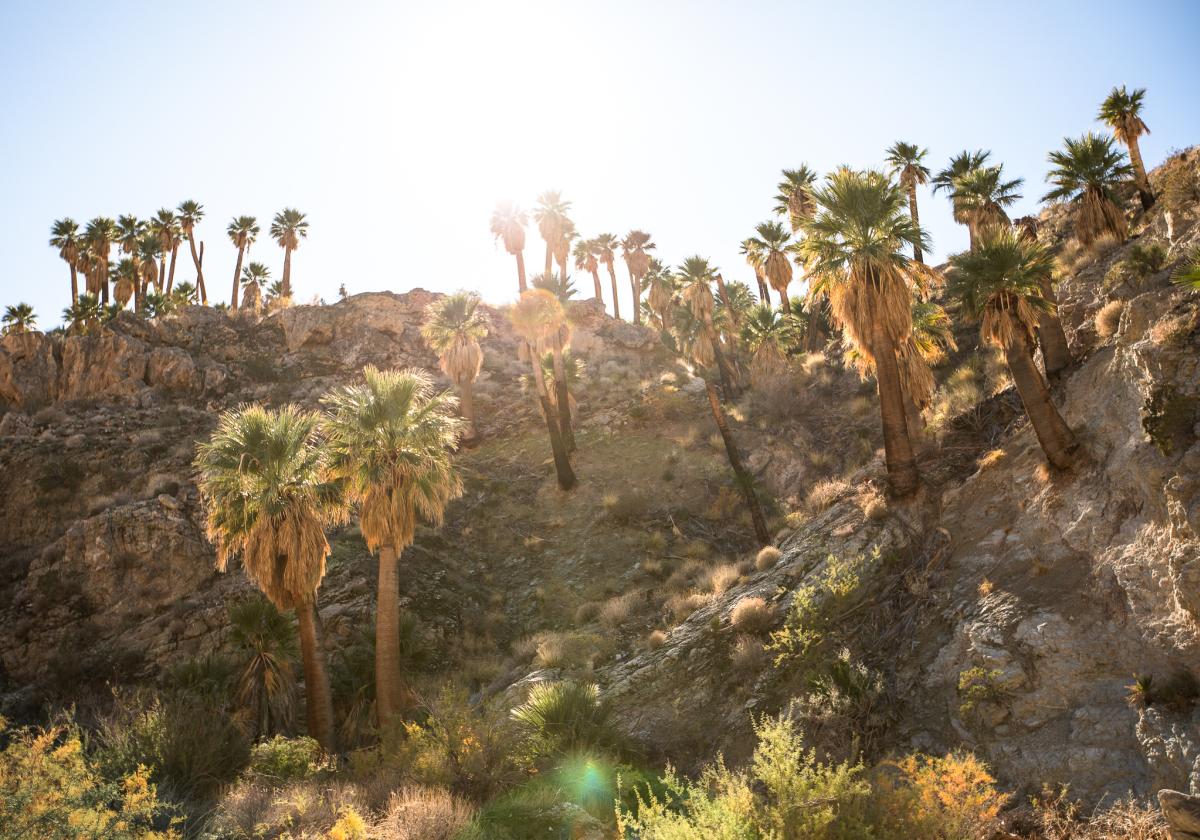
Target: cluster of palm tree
[[145, 274], [273, 480], [562, 240]]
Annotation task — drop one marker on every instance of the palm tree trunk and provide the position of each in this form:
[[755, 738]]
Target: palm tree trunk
[[237, 273], [468, 409], [745, 484], [74, 283], [389, 683], [1139, 169], [171, 272], [912, 211], [162, 273], [916, 423], [562, 461], [287, 273], [1053, 433], [562, 396], [722, 364], [318, 700], [637, 298], [549, 260], [1055, 352], [520, 255], [898, 451], [596, 282], [612, 274], [784, 302], [199, 272]]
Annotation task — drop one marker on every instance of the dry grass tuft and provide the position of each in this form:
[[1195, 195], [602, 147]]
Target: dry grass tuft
[[421, 813], [745, 567], [873, 505], [1173, 331], [986, 587], [683, 605], [588, 612], [570, 650], [767, 557], [992, 458], [752, 616], [825, 493], [616, 611], [655, 639], [1108, 318], [748, 655], [721, 578]]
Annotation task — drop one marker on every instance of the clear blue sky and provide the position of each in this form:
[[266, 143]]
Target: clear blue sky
[[397, 126]]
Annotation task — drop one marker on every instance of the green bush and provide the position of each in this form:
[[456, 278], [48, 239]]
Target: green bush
[[813, 606], [282, 760], [567, 717], [1145, 259]]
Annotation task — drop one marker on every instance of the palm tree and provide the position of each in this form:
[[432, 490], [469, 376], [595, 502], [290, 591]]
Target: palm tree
[[508, 225], [18, 318], [773, 242], [794, 200], [562, 248], [266, 685], [242, 231], [660, 282], [1122, 112], [692, 338], [130, 230], [165, 226], [981, 196], [1088, 171], [695, 277], [265, 483], [551, 217], [253, 277], [908, 162], [853, 246], [83, 316], [1187, 274], [586, 260], [389, 442], [100, 234], [65, 238], [183, 295], [961, 164], [606, 250], [190, 214], [769, 335], [453, 327], [1000, 283], [148, 250], [287, 228], [537, 318], [633, 250], [127, 281], [561, 287], [752, 249]]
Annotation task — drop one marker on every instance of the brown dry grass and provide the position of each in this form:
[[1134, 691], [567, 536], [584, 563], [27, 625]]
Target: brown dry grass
[[767, 557], [752, 616], [1108, 318]]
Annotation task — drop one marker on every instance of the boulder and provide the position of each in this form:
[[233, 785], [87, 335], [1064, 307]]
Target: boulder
[[106, 364], [1182, 813], [28, 370], [173, 369]]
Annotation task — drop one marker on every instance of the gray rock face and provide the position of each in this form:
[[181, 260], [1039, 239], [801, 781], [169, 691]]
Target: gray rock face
[[28, 370], [107, 364], [173, 369]]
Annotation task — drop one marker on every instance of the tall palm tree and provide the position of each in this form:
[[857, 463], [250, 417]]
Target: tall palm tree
[[794, 200], [1000, 283], [190, 214], [586, 260], [537, 318], [961, 164], [508, 225], [1087, 172], [854, 245], [606, 251], [266, 486], [774, 243], [453, 327], [562, 248], [65, 238], [18, 318], [633, 250], [982, 194], [662, 287], [1121, 111], [695, 278], [127, 281], [563, 289], [769, 335], [287, 228], [908, 163], [389, 442], [100, 234], [130, 230], [550, 213], [242, 231], [693, 339], [751, 248], [266, 684], [165, 226], [148, 250], [254, 276]]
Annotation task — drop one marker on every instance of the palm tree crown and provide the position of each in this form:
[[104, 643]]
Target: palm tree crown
[[794, 200], [907, 161], [243, 231], [453, 327], [1000, 285], [18, 318], [288, 227], [982, 194], [1087, 170], [1121, 111], [508, 225]]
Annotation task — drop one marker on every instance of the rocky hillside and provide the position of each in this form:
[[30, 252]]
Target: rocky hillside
[[1005, 609]]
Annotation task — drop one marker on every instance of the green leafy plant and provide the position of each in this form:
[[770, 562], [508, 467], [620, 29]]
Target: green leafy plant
[[566, 717]]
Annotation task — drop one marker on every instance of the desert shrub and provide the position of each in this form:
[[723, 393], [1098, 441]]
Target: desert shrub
[[1055, 816], [1145, 259], [926, 796], [748, 656], [1179, 189], [1108, 318], [535, 810], [825, 493], [349, 826], [567, 717], [423, 813], [813, 606], [286, 760], [696, 549], [767, 557], [721, 578], [50, 788], [307, 808], [588, 612], [684, 604], [189, 744], [752, 616], [656, 542], [1178, 692], [1173, 330], [626, 506], [844, 710], [690, 574], [873, 505], [571, 650], [615, 611], [1169, 418], [977, 687], [656, 639], [784, 793]]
